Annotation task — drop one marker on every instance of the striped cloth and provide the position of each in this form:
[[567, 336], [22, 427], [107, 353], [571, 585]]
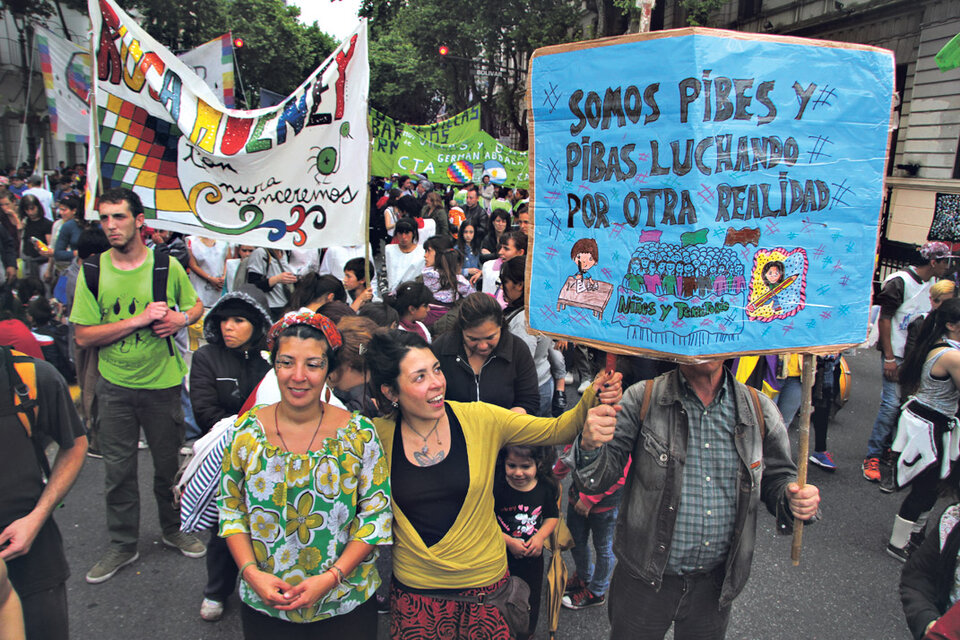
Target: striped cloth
[[198, 501]]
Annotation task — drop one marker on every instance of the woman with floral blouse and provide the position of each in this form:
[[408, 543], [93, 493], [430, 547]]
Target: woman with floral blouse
[[304, 499]]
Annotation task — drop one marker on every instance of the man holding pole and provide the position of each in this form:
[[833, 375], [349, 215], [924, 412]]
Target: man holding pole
[[706, 449]]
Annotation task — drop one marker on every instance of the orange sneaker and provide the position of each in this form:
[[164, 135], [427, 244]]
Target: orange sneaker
[[871, 469]]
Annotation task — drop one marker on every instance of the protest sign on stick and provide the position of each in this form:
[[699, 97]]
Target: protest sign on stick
[[725, 202], [294, 175], [719, 195]]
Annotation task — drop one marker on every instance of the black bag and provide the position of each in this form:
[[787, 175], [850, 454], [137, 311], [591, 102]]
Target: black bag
[[512, 600]]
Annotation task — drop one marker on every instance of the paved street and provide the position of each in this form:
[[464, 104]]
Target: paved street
[[845, 586]]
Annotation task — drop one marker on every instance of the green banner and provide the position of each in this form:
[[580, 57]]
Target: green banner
[[949, 57], [450, 131], [453, 151]]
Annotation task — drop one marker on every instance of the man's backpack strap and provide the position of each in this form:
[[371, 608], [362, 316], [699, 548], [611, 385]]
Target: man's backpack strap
[[22, 374], [756, 405], [647, 395], [161, 270], [91, 274]]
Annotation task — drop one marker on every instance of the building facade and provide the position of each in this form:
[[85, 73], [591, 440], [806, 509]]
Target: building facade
[[24, 92]]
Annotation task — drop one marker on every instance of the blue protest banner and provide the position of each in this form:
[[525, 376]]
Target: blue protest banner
[[701, 192]]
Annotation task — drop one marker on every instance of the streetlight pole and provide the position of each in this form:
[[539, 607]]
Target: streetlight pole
[[646, 9]]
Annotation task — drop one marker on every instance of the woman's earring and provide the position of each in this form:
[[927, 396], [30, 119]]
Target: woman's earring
[[395, 404]]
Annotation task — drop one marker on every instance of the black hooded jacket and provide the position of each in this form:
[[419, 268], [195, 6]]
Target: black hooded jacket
[[222, 378], [927, 579]]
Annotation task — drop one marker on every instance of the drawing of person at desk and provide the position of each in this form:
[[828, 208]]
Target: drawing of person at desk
[[580, 289], [585, 254]]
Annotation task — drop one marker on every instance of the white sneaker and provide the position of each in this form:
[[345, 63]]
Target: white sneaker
[[568, 378], [211, 610], [584, 385]]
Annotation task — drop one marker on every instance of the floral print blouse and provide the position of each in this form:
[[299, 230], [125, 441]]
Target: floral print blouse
[[301, 510]]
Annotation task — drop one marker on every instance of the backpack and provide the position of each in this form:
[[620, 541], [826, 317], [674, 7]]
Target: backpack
[[244, 267], [161, 271], [21, 372], [240, 278], [176, 248], [58, 353]]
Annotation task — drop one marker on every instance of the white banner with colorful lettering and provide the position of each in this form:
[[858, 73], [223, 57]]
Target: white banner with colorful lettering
[[290, 176]]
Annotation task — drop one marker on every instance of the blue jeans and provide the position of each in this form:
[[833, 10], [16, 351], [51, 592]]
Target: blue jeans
[[887, 415], [791, 393], [546, 399], [193, 430], [601, 525]]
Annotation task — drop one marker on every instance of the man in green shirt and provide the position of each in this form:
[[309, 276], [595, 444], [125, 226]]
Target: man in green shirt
[[140, 377]]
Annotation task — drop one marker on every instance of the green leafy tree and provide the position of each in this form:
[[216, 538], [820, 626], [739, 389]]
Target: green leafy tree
[[697, 11], [180, 27], [411, 81], [400, 85], [279, 51]]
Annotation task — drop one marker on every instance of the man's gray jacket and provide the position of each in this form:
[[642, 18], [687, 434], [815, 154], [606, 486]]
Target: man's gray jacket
[[651, 497]]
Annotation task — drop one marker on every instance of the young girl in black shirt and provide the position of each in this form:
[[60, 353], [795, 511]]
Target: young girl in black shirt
[[525, 500]]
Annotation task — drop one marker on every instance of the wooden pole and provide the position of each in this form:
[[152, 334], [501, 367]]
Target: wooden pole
[[809, 366], [611, 362]]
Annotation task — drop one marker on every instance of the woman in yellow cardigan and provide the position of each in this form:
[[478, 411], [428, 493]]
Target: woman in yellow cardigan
[[442, 457]]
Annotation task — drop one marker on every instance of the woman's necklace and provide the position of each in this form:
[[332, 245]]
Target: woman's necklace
[[276, 418], [422, 456]]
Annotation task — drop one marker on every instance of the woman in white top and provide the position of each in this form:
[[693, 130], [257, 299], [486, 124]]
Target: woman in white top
[[208, 259], [404, 260], [391, 213], [304, 261]]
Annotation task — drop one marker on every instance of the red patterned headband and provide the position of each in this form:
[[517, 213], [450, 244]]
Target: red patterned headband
[[315, 320]]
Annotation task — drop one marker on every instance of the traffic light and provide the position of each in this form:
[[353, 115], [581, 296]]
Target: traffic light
[[444, 49], [238, 43]]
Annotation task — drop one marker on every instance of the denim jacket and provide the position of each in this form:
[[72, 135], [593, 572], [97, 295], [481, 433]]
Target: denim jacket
[[648, 509]]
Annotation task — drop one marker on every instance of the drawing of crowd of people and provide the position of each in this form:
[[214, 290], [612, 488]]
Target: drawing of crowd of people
[[685, 271]]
